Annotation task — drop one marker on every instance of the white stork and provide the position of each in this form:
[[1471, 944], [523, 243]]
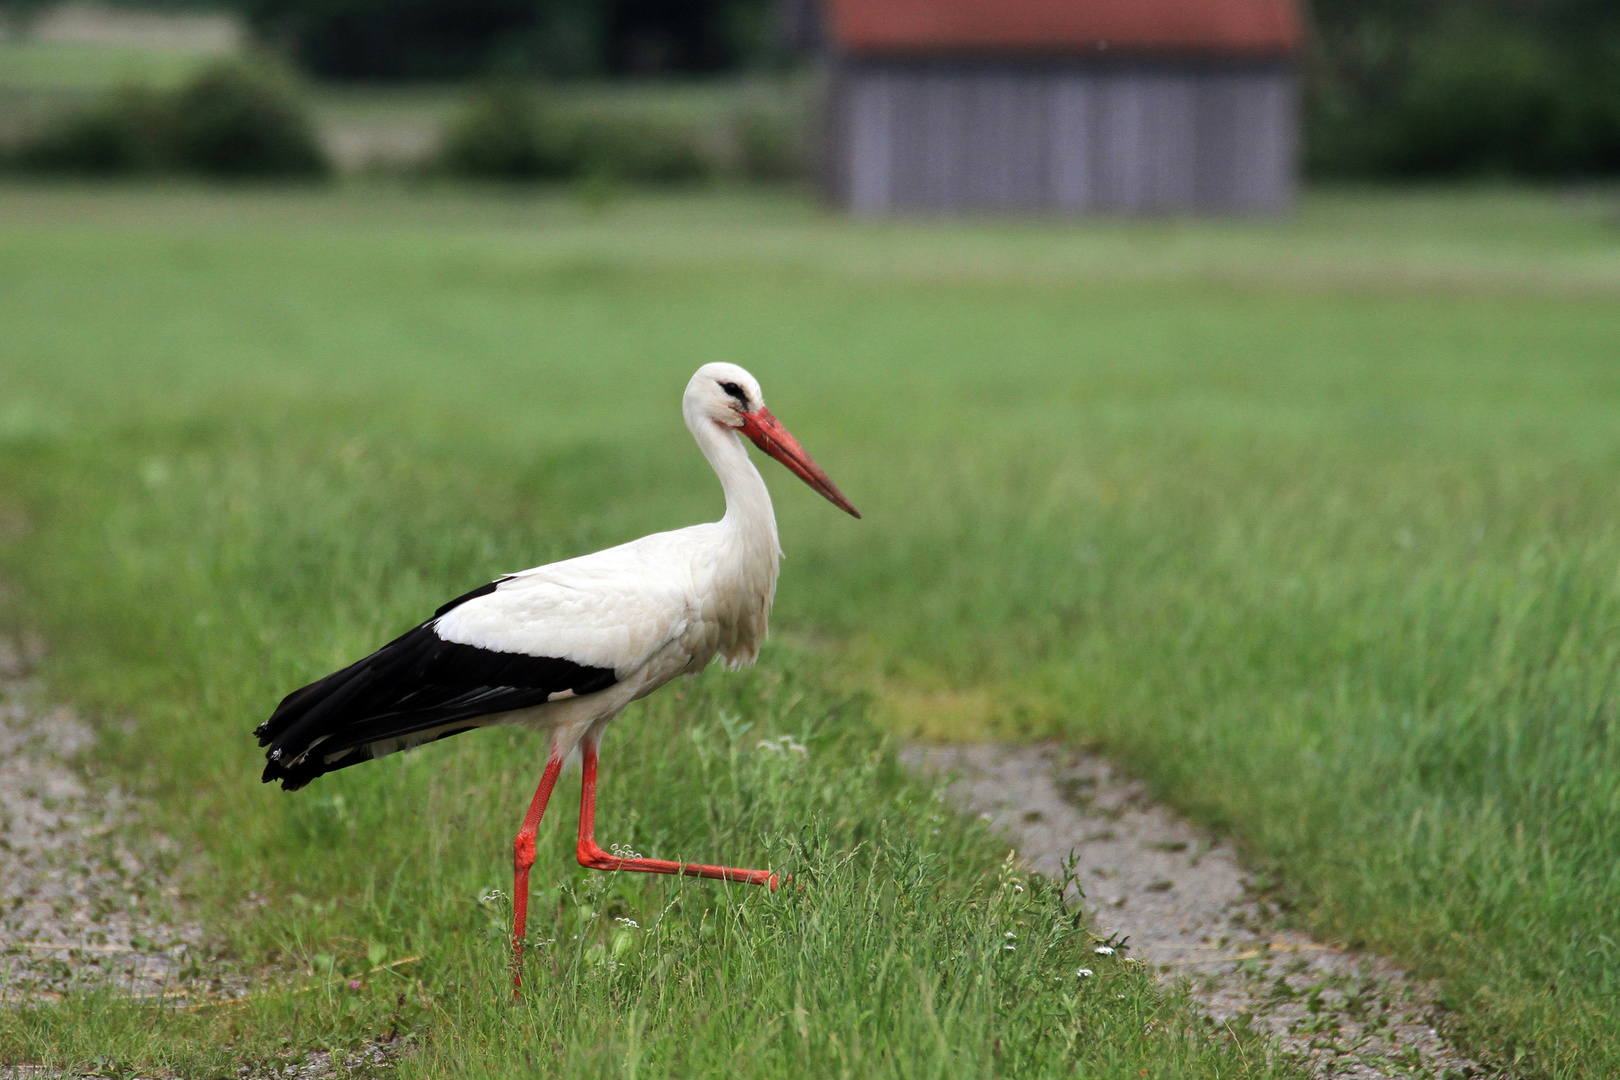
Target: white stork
[[564, 648]]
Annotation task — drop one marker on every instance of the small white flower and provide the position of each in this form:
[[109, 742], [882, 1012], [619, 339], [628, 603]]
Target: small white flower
[[628, 922], [1010, 948], [1018, 888], [784, 745], [1010, 934], [1084, 973], [1104, 950]]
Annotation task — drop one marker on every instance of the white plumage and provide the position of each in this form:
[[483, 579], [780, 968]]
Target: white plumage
[[563, 648]]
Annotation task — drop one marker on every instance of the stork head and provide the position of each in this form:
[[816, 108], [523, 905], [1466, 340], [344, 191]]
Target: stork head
[[727, 395]]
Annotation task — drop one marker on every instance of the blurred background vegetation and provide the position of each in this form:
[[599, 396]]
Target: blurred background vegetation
[[695, 90], [1457, 87]]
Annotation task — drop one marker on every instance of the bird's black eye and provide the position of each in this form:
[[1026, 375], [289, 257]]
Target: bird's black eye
[[735, 391]]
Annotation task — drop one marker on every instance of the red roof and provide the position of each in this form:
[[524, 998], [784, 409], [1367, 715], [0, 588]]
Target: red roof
[[1264, 27]]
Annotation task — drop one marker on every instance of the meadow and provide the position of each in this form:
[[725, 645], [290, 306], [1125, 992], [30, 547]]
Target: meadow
[[1310, 523]]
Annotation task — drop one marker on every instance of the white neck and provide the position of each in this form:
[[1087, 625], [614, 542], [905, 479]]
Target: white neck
[[749, 514], [747, 554]]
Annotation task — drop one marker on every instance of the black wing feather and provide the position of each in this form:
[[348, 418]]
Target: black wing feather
[[417, 683]]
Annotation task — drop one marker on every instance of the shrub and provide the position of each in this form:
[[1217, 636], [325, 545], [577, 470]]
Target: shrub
[[642, 149], [237, 121], [230, 121], [1464, 86], [505, 134], [771, 144], [1484, 104], [125, 132], [508, 133]]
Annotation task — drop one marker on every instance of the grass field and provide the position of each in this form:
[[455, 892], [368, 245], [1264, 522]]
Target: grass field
[[1311, 523]]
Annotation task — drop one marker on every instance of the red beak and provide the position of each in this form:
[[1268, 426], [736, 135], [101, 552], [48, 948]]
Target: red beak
[[770, 436]]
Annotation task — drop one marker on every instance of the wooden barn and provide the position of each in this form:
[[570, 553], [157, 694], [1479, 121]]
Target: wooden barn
[[1067, 106]]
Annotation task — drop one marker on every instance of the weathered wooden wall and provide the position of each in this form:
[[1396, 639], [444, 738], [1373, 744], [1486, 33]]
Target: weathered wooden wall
[[1116, 137]]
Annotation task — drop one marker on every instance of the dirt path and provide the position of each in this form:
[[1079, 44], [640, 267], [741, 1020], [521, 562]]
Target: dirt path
[[78, 907], [1180, 897]]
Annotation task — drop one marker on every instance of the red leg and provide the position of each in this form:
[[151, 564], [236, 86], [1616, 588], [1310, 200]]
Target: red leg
[[522, 859], [594, 857]]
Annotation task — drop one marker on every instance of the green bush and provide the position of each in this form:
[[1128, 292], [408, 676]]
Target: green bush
[[1453, 89], [772, 144], [231, 120], [509, 133], [1491, 103], [124, 132], [506, 134], [645, 150], [237, 121]]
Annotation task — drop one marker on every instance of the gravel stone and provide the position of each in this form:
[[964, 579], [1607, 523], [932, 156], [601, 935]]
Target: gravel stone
[[79, 907], [1184, 902]]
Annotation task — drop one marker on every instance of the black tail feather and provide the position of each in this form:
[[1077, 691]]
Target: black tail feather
[[417, 688]]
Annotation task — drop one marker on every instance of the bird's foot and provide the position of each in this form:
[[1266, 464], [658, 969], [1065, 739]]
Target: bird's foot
[[591, 855]]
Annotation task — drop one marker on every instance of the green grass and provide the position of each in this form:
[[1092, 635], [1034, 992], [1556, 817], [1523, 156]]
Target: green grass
[[1311, 523]]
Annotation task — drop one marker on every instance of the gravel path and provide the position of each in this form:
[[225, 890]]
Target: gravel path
[[78, 907], [1180, 897]]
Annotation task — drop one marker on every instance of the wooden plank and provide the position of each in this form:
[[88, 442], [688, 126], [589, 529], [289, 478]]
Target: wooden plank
[[1248, 133], [1032, 139], [871, 139], [1121, 136], [1127, 137], [1170, 110]]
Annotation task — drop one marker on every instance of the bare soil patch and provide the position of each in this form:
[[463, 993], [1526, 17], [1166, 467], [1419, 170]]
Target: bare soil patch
[[1182, 900]]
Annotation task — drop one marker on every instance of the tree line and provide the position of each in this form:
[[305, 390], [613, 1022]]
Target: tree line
[[1391, 87], [1448, 87]]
